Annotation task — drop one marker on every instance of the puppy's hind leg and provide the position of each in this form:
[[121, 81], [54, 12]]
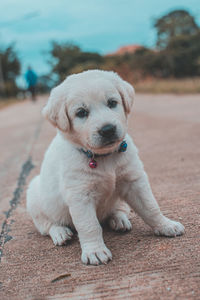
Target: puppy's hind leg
[[45, 226], [41, 221], [139, 195], [119, 218]]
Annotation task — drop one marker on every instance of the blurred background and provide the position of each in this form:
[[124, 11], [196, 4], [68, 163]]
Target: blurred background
[[154, 45]]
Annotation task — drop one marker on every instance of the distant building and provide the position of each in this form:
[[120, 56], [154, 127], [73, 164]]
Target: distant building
[[125, 49]]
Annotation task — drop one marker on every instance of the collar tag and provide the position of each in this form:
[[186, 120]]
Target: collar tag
[[93, 164]]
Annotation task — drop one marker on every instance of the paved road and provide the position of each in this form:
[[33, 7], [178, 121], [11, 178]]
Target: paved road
[[167, 131]]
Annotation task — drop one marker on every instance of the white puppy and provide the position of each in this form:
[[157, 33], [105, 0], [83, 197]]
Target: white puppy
[[88, 174]]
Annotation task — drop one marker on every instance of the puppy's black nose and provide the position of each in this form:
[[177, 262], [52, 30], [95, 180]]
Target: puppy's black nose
[[107, 131]]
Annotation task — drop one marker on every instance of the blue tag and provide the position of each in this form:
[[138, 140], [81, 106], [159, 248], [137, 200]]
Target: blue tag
[[123, 146]]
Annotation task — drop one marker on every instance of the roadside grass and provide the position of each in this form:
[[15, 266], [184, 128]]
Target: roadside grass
[[172, 86], [150, 85]]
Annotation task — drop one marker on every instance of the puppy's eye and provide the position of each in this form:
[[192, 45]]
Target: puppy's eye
[[111, 103], [82, 113]]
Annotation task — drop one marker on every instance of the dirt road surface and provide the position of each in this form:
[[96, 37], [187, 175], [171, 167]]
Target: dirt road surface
[[166, 129]]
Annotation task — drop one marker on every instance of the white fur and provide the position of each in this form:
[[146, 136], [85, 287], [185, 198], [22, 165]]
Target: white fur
[[68, 193]]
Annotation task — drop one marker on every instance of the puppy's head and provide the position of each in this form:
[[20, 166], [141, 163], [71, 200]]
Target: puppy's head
[[90, 109]]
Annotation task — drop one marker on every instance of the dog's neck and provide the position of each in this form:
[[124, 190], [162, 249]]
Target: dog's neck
[[91, 154], [122, 148], [93, 164]]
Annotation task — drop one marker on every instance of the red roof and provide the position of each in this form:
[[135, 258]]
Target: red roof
[[125, 49]]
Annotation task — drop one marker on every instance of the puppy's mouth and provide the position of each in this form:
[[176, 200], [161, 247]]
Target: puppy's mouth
[[109, 143], [105, 147]]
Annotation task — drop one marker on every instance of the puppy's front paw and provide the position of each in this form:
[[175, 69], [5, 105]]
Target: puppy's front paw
[[120, 222], [60, 234], [96, 255], [169, 228]]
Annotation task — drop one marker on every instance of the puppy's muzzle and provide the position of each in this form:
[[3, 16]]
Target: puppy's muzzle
[[108, 134]]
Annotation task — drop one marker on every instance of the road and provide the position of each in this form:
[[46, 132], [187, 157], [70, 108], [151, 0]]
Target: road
[[166, 129]]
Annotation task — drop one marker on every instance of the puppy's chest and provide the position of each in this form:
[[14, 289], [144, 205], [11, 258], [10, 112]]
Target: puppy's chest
[[105, 187], [105, 179]]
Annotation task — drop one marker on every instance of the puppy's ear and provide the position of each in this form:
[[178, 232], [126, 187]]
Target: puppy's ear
[[125, 89], [55, 110], [127, 93]]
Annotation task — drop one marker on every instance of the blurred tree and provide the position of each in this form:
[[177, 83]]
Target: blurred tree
[[9, 69], [174, 24], [177, 53], [179, 43], [69, 58], [183, 55]]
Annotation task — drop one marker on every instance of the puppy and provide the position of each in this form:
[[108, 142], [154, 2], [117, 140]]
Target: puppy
[[92, 170]]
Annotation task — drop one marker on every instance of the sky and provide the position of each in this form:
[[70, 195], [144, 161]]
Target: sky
[[94, 25]]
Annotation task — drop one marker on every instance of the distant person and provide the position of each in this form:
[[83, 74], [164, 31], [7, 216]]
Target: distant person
[[31, 79]]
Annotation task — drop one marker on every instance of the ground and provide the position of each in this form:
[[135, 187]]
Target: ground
[[166, 129]]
